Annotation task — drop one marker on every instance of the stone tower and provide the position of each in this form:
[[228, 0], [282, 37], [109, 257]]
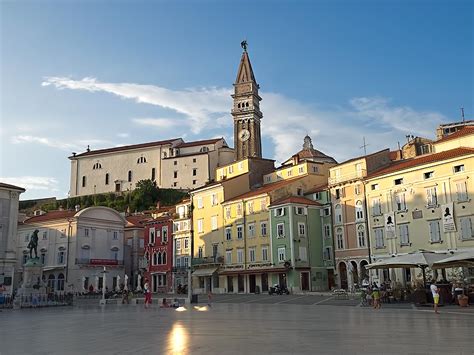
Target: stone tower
[[246, 111]]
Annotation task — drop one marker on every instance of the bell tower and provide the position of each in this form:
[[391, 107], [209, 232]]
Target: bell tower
[[246, 111]]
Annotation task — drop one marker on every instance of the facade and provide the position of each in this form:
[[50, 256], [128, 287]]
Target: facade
[[182, 240], [447, 129], [347, 188], [171, 164], [9, 196], [422, 204], [159, 254], [74, 247], [134, 247]]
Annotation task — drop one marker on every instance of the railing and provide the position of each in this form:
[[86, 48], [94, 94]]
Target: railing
[[208, 260], [346, 177], [34, 300]]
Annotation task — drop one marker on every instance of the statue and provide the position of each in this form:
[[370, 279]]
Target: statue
[[139, 283], [126, 282], [243, 44], [33, 244]]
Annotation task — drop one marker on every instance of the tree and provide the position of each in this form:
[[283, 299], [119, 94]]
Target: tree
[[144, 196]]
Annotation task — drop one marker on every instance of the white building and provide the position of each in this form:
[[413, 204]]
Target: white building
[[171, 164], [74, 246], [9, 196]]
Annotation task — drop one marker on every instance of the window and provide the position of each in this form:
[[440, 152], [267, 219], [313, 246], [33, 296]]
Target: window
[[151, 235], [214, 223], [338, 213], [379, 242], [200, 225], [129, 176], [264, 253], [178, 262], [338, 194], [317, 196], [83, 181], [115, 235], [374, 186], [61, 257], [428, 175], [263, 228], [315, 169], [250, 207], [327, 230], [376, 207], [240, 232], [251, 229], [228, 233], [164, 235], [163, 261], [359, 210], [300, 211], [357, 189], [241, 166], [154, 259], [175, 174], [358, 167], [153, 174], [45, 235], [227, 212], [279, 212], [459, 168], [195, 172], [194, 182], [175, 162], [289, 173], [431, 197], [398, 181], [299, 192], [186, 243], [178, 244], [461, 191], [141, 160], [263, 204], [302, 229], [301, 170], [200, 252], [60, 282], [214, 200], [107, 178], [435, 233], [281, 254], [63, 233], [240, 256], [199, 202], [204, 149], [239, 209], [361, 236], [43, 258], [303, 254], [280, 230], [228, 256], [404, 236], [97, 166], [400, 201], [327, 253], [340, 238], [466, 228], [327, 211], [252, 254], [231, 169]]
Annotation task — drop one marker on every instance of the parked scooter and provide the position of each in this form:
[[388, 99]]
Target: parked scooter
[[278, 290]]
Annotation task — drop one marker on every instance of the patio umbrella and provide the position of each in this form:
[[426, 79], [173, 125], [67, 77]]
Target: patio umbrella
[[462, 259]]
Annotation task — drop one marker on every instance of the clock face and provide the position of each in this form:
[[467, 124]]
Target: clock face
[[244, 135]]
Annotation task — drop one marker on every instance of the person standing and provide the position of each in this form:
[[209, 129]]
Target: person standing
[[376, 297], [209, 298], [435, 293], [147, 291]]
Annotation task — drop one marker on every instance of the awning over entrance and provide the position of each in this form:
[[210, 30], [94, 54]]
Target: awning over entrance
[[50, 268], [205, 272]]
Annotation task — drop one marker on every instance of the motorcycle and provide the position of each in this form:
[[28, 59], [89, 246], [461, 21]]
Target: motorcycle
[[278, 290]]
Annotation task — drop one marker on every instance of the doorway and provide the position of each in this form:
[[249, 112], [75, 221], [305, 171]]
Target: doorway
[[343, 275], [230, 284], [264, 282], [305, 281], [252, 283], [331, 282], [240, 283], [282, 280]]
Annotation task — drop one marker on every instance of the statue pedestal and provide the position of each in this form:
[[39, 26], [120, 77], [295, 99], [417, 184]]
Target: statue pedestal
[[32, 292]]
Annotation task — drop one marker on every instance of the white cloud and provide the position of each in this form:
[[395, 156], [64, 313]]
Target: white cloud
[[123, 135], [77, 145], [33, 182], [163, 123]]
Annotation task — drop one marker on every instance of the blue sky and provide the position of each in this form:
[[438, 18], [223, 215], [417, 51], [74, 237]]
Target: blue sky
[[111, 73]]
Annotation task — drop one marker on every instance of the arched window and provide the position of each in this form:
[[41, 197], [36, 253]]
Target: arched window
[[107, 178], [129, 176], [155, 259], [238, 106], [97, 166], [141, 160], [359, 210], [361, 236], [159, 259], [204, 150], [247, 104], [60, 282], [338, 213], [51, 281], [83, 181], [164, 258], [340, 238]]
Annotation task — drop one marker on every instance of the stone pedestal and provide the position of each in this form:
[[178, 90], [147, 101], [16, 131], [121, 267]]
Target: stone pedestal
[[32, 291]]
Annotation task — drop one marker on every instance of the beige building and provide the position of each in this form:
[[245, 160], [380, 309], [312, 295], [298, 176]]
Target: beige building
[[9, 196], [171, 163], [347, 189]]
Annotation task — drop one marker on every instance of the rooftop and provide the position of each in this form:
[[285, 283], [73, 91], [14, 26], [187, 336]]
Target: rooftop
[[11, 187], [202, 142], [51, 216], [465, 131], [295, 199], [363, 157]]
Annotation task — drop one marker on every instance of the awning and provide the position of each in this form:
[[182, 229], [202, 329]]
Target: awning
[[50, 268], [420, 259], [462, 259], [205, 272]]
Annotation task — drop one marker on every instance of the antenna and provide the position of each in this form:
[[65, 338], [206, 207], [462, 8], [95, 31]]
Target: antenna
[[364, 146], [462, 114]]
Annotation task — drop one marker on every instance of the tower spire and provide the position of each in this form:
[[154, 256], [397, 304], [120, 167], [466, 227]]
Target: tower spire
[[245, 72]]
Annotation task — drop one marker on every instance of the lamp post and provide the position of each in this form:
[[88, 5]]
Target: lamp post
[[104, 272]]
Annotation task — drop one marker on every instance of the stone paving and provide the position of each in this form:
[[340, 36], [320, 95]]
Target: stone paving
[[236, 328]]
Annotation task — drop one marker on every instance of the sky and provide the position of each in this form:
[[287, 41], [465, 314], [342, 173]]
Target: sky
[[110, 73]]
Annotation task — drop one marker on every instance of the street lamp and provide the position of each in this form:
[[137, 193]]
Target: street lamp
[[104, 272]]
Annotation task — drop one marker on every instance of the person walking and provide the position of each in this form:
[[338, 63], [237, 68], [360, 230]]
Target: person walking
[[147, 292], [209, 298], [435, 293], [376, 297]]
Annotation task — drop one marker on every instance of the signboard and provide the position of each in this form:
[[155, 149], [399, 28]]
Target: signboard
[[103, 262], [390, 224], [448, 219]]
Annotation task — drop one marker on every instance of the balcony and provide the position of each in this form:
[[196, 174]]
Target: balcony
[[208, 260], [347, 177]]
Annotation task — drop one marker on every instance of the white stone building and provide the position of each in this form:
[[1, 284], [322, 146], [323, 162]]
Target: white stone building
[[171, 164], [9, 196], [74, 246]]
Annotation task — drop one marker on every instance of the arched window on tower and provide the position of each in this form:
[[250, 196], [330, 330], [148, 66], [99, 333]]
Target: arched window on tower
[[107, 178], [129, 176], [97, 166]]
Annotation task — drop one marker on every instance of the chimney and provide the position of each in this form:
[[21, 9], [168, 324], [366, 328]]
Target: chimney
[[77, 208], [88, 148]]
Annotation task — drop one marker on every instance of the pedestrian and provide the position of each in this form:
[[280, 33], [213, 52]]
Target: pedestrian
[[376, 297], [147, 292], [435, 293], [209, 298]]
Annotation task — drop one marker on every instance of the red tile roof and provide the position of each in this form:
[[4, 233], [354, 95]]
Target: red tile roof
[[266, 188], [203, 142], [297, 200], [50, 216], [137, 221], [12, 187], [421, 160], [125, 147], [465, 131]]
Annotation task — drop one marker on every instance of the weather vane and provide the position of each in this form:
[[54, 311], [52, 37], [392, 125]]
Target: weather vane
[[243, 44]]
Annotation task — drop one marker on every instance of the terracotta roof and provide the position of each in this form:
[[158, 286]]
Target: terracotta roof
[[362, 157], [266, 188], [317, 188], [295, 199], [12, 187], [50, 216], [125, 147], [465, 131], [137, 221], [313, 154], [421, 160], [203, 142]]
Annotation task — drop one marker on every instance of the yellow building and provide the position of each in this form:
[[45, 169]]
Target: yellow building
[[423, 203]]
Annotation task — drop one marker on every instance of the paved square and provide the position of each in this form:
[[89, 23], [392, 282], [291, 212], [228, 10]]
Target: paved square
[[235, 328]]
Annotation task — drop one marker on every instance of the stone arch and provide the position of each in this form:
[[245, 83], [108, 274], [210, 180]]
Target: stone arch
[[342, 269]]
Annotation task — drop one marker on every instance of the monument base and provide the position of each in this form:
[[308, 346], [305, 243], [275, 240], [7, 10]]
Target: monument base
[[32, 292]]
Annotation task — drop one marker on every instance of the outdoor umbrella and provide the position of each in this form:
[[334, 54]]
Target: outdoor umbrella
[[462, 259]]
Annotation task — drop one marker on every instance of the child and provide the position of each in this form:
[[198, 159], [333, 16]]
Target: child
[[376, 297]]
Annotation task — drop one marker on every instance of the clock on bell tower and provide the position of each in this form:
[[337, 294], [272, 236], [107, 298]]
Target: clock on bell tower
[[246, 111]]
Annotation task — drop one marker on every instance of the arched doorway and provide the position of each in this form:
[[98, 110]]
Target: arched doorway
[[60, 282], [364, 276], [354, 273], [51, 282], [343, 275]]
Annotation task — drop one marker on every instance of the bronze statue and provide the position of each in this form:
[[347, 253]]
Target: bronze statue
[[243, 44], [33, 244]]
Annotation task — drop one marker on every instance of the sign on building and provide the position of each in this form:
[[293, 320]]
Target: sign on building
[[390, 224], [448, 219]]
